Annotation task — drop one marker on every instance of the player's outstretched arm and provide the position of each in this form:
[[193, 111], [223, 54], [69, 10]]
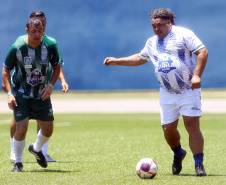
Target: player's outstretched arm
[[133, 60], [64, 83]]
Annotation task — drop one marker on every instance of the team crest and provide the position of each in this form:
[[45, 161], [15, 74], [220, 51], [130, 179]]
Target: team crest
[[166, 66], [27, 62], [35, 77]]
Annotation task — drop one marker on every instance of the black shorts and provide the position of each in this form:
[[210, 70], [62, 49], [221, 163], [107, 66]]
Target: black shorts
[[33, 109]]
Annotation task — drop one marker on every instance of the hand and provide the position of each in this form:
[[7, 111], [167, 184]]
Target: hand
[[65, 86], [46, 92], [110, 61], [12, 102], [195, 82]]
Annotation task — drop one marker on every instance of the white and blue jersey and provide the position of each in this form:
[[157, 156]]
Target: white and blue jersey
[[173, 58]]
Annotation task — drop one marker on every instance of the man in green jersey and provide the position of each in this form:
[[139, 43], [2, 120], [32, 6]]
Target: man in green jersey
[[30, 95], [64, 85]]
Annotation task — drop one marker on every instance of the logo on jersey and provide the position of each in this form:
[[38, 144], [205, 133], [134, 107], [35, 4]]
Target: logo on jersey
[[166, 66], [27, 62], [35, 77]]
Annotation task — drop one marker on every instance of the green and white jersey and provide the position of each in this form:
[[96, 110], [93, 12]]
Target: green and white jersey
[[31, 65], [58, 50], [50, 69]]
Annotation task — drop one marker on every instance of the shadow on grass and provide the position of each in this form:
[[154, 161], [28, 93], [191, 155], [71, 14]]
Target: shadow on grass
[[52, 171], [54, 162], [212, 175], [215, 175], [193, 175], [61, 162]]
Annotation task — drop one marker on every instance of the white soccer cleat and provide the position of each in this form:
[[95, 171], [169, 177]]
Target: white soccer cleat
[[49, 159], [12, 157]]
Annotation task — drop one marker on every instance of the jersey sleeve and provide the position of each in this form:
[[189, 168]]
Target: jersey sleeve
[[56, 46], [55, 56], [144, 53], [10, 60], [59, 54], [192, 42]]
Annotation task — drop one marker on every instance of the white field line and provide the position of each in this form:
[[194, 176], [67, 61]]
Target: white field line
[[8, 121], [142, 105], [5, 122], [62, 124]]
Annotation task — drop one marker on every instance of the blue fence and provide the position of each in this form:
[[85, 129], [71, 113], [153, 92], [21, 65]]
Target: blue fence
[[87, 31]]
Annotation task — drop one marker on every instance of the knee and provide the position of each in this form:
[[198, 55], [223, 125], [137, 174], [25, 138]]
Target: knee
[[168, 130], [192, 127], [191, 123], [47, 132], [46, 128], [20, 134]]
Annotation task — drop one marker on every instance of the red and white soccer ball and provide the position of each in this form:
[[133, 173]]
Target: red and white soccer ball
[[146, 168]]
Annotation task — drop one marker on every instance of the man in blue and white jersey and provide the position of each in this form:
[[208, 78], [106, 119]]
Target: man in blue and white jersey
[[179, 74]]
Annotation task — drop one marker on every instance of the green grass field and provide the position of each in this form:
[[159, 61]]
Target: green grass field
[[105, 148]]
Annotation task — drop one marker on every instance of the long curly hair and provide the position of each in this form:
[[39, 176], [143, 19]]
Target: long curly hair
[[163, 14]]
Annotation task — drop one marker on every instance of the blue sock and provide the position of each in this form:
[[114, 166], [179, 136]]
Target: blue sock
[[178, 151], [198, 158]]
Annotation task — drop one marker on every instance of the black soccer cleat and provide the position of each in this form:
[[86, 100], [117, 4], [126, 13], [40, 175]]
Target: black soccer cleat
[[17, 167], [41, 160], [200, 170], [177, 163]]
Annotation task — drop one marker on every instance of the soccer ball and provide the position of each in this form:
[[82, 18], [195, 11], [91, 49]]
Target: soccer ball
[[146, 168]]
